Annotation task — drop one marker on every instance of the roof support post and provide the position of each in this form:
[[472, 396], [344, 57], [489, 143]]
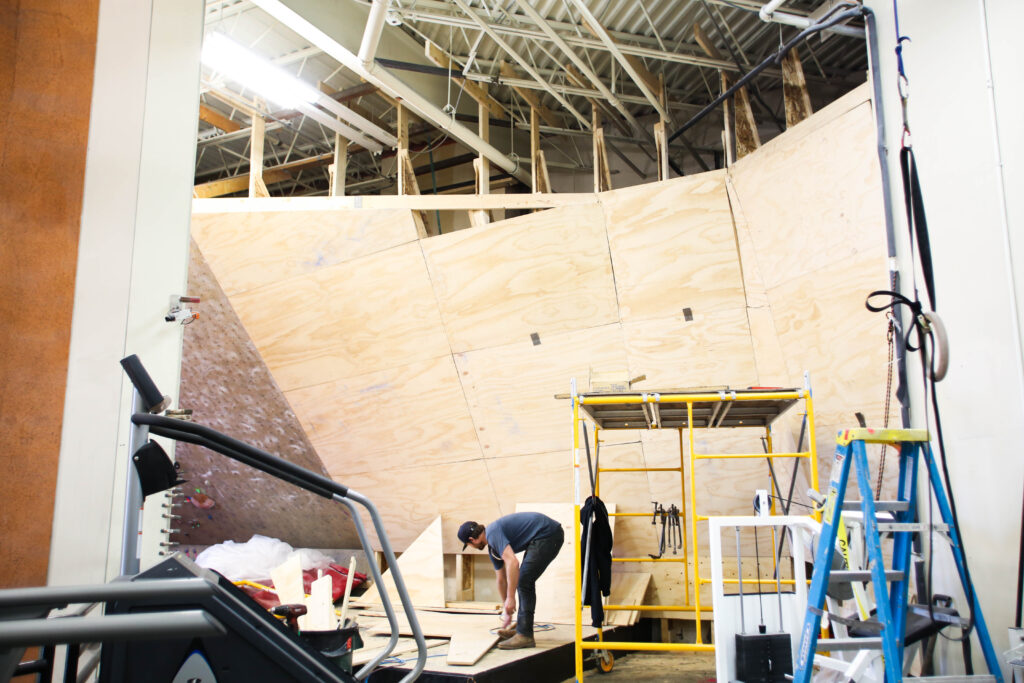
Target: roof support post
[[257, 188]]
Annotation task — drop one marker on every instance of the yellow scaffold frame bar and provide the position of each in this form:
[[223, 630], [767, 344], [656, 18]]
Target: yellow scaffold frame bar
[[687, 559]]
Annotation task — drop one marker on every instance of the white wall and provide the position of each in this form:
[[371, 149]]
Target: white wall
[[976, 244], [133, 255]]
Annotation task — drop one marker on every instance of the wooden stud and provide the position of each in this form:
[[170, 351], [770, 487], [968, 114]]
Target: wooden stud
[[794, 89], [661, 145], [482, 168], [257, 188], [219, 188], [530, 96], [747, 138], [602, 174], [407, 184], [340, 166], [475, 90], [215, 118], [727, 145]]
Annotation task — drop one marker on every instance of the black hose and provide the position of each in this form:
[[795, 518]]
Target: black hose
[[825, 23]]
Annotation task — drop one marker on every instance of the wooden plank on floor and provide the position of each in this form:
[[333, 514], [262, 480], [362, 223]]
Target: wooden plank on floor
[[467, 647]]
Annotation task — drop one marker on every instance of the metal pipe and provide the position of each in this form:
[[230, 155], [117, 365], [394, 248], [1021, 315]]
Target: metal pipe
[[391, 84], [768, 14], [613, 47], [522, 61], [340, 128], [372, 33]]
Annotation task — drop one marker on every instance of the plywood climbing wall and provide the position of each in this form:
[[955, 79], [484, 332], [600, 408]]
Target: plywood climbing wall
[[424, 370]]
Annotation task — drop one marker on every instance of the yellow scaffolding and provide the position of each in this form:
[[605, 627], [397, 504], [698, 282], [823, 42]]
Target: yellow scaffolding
[[710, 409]]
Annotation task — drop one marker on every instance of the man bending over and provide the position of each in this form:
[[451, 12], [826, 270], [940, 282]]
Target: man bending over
[[541, 537]]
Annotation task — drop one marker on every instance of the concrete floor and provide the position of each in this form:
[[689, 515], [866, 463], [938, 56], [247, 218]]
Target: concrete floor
[[658, 667]]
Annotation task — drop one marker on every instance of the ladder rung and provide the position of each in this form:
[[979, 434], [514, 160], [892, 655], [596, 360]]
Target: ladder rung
[[846, 575], [880, 505], [849, 644]]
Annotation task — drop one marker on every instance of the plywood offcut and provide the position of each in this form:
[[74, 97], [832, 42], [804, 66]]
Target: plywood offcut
[[349, 319], [422, 569], [628, 588], [389, 419], [511, 389], [466, 648], [545, 273], [250, 250], [673, 246]]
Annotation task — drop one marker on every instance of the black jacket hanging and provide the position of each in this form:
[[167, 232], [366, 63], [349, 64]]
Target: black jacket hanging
[[597, 577]]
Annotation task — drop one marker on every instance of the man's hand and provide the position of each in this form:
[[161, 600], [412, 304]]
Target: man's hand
[[510, 606], [505, 619]]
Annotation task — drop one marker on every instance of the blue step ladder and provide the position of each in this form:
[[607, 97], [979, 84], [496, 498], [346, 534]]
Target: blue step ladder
[[891, 602]]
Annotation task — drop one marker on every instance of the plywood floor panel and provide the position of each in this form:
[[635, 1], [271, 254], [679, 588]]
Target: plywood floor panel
[[345, 320], [673, 246], [545, 273], [253, 249]]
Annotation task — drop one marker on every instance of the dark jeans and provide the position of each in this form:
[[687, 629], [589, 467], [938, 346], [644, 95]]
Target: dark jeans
[[538, 556]]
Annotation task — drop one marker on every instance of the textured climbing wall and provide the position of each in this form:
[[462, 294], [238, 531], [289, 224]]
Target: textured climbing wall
[[229, 388]]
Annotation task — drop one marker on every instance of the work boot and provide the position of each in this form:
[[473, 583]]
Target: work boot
[[517, 642], [506, 633]]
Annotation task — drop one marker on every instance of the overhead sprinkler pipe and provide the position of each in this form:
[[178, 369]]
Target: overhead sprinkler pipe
[[768, 14], [372, 33]]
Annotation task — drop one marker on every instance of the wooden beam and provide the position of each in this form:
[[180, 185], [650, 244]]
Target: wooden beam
[[407, 184], [727, 144], [747, 138], [482, 169], [238, 183], [473, 89], [661, 145], [257, 188], [794, 89], [538, 167], [705, 42], [426, 202], [339, 169], [215, 118], [530, 96]]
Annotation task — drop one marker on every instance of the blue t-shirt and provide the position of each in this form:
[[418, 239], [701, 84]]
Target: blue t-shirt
[[517, 530]]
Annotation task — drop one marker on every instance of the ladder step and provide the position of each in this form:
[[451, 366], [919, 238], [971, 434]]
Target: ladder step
[[834, 644], [880, 505], [847, 575]]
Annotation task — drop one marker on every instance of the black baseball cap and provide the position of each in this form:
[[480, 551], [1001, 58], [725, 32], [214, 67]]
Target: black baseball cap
[[469, 530]]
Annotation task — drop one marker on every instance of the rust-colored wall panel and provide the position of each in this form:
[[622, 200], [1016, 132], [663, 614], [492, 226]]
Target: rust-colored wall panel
[[47, 54]]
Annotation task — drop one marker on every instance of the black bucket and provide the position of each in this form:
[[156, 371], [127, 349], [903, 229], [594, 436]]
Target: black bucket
[[336, 645]]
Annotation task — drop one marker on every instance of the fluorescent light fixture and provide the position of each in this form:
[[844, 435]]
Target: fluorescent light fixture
[[227, 57]]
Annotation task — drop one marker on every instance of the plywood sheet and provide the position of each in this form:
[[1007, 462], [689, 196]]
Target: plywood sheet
[[631, 492], [829, 207], [542, 476], [411, 414], [372, 645], [439, 624], [673, 246], [713, 349], [628, 588], [252, 249], [511, 388], [409, 498], [545, 273], [349, 319], [825, 329], [466, 648], [422, 568]]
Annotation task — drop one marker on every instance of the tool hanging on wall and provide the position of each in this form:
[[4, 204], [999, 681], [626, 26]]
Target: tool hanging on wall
[[671, 528]]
